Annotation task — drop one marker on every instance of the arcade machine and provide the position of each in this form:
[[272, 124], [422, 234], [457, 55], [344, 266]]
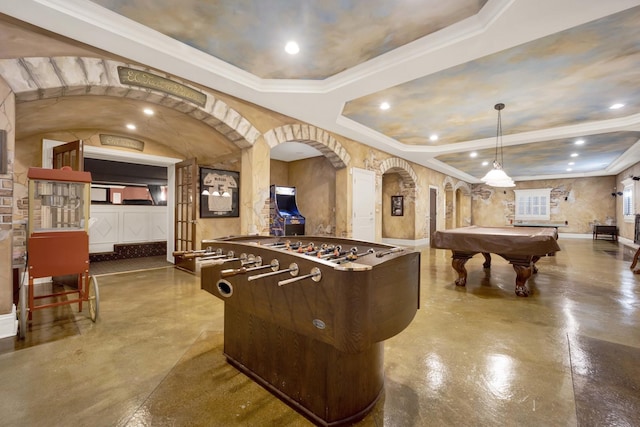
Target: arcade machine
[[285, 219]]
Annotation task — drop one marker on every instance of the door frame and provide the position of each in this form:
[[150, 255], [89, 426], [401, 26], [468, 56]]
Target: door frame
[[100, 153], [192, 205]]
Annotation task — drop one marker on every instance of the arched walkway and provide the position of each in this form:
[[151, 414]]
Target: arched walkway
[[457, 203], [39, 78], [407, 226], [313, 136], [401, 167], [322, 184]]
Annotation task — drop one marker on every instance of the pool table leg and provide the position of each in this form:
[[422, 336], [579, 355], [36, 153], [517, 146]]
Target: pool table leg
[[635, 260], [487, 260], [458, 262], [523, 272]]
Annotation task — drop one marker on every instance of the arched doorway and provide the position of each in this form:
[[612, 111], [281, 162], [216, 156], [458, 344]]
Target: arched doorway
[[457, 203], [317, 176], [449, 205], [462, 205], [400, 223]]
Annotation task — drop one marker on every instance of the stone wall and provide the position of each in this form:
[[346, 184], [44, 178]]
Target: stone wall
[[7, 124]]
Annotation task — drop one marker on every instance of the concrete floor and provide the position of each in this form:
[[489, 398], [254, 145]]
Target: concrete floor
[[476, 356]]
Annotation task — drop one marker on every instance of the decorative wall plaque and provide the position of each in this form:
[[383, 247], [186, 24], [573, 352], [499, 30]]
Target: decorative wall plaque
[[220, 193], [397, 205], [130, 76], [121, 141]]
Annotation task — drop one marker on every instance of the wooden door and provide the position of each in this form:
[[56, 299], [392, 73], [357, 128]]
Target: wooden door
[[433, 211], [69, 155], [185, 214], [364, 205]]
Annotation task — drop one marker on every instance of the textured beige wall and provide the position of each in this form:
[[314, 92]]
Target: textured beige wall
[[397, 227], [7, 123], [279, 174], [315, 182], [213, 228], [627, 227], [578, 201], [254, 189], [365, 157]]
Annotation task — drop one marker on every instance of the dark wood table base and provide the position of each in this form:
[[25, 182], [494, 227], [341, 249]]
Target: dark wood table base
[[524, 266], [330, 387]]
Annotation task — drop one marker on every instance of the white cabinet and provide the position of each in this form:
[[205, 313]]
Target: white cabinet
[[112, 224]]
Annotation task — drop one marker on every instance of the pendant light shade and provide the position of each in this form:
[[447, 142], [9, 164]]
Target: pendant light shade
[[497, 177]]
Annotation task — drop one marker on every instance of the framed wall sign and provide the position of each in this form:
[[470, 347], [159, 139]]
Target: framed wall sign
[[397, 205], [219, 193]]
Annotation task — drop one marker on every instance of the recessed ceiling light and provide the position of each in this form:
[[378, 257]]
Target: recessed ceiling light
[[574, 154], [571, 163], [292, 48], [569, 169], [616, 106], [473, 154], [385, 106], [433, 137], [131, 126], [485, 163], [579, 142], [148, 111]]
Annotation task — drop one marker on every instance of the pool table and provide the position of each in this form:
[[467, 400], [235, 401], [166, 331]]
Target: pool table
[[521, 246]]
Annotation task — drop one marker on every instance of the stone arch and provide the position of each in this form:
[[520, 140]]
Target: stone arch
[[457, 203], [402, 168], [37, 78], [410, 227], [313, 136], [448, 183], [449, 202], [463, 187]]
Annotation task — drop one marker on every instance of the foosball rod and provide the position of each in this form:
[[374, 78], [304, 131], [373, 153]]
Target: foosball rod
[[275, 265], [360, 255], [293, 269]]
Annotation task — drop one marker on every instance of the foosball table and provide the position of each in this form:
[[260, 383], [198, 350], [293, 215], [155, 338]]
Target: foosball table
[[307, 319]]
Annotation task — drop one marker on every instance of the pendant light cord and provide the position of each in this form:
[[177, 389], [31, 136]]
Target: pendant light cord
[[499, 107]]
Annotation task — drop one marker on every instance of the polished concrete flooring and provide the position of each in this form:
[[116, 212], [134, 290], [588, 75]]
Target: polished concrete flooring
[[568, 355], [131, 264]]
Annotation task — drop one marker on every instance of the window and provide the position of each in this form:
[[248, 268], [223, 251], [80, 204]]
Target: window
[[533, 204]]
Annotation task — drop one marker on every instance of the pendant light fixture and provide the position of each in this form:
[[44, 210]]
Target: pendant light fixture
[[496, 177]]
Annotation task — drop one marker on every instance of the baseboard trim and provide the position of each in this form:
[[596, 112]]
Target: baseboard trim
[[575, 236], [627, 242], [405, 242], [9, 323]]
